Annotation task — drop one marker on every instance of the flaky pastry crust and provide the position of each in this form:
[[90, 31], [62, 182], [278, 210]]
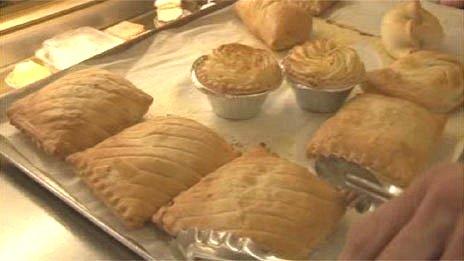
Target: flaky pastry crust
[[408, 28], [392, 137], [79, 110], [142, 168], [431, 79], [280, 24], [324, 64], [278, 204]]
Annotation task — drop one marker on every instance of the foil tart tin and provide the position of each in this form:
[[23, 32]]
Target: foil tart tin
[[321, 100], [232, 107], [197, 244]]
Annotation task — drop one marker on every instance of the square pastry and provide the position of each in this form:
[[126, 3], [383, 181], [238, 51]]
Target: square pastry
[[278, 204], [391, 137], [143, 167], [79, 110]]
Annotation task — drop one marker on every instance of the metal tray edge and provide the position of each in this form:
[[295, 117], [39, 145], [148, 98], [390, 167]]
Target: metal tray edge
[[10, 154]]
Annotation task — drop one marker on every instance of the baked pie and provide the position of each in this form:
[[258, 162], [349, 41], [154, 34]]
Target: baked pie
[[324, 64], [280, 24], [237, 69], [278, 204], [408, 28], [431, 79], [391, 137], [79, 110], [143, 167]]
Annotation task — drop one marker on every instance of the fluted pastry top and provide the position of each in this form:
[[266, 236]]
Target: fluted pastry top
[[408, 28], [239, 70], [432, 79], [324, 64]]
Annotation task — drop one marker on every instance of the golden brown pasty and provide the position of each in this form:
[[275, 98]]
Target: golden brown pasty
[[238, 69], [280, 24], [324, 64], [408, 28], [276, 203], [431, 79], [392, 137], [145, 166], [79, 110]]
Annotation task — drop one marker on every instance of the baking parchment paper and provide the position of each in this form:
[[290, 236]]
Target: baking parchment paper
[[160, 66]]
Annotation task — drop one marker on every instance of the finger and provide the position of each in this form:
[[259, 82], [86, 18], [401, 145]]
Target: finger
[[454, 250], [368, 237], [424, 237]]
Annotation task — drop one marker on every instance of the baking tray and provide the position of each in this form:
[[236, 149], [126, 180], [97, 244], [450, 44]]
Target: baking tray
[[12, 155], [58, 179], [287, 139], [61, 185]]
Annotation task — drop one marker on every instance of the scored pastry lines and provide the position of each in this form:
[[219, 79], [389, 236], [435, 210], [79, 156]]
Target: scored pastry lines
[[136, 172], [183, 172]]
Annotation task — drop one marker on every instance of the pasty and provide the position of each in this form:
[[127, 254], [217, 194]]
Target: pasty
[[79, 110], [143, 167], [431, 79], [280, 24], [408, 28], [237, 69], [392, 137], [276, 203]]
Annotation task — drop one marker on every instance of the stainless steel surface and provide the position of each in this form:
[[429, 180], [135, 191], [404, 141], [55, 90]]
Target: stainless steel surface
[[216, 245], [35, 225], [145, 18], [319, 100], [12, 155], [21, 44], [233, 107]]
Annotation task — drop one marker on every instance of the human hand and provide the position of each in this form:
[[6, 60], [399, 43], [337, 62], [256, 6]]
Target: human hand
[[425, 222]]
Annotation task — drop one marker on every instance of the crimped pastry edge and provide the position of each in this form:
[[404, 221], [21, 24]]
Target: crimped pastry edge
[[34, 135]]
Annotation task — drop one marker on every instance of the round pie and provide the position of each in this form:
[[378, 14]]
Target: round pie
[[324, 64], [237, 69]]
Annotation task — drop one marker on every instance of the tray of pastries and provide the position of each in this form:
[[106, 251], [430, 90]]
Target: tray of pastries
[[240, 135]]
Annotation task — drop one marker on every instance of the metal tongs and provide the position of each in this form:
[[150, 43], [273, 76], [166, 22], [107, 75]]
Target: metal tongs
[[198, 244], [365, 191]]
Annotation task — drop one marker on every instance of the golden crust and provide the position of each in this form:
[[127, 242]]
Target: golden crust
[[324, 64], [143, 167], [278, 204], [390, 136], [314, 7], [238, 69], [431, 79], [79, 110], [280, 24], [408, 27]]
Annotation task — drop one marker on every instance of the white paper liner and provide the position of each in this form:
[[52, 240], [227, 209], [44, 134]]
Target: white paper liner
[[160, 65]]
